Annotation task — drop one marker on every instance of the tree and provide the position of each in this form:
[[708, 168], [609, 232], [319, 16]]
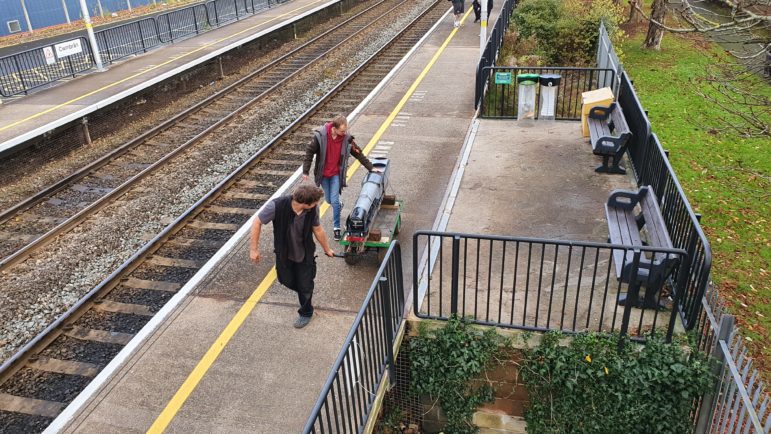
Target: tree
[[655, 30]]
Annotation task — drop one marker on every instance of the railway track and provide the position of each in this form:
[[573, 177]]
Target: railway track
[[32, 223], [40, 380]]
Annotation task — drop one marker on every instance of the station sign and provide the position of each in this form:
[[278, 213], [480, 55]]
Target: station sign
[[68, 48], [48, 53], [502, 78]]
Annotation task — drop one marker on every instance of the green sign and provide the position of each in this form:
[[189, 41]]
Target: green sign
[[502, 78]]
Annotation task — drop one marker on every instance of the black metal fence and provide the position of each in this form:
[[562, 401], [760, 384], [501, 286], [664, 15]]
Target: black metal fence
[[651, 167], [31, 69], [490, 53], [346, 400], [539, 285], [502, 96]]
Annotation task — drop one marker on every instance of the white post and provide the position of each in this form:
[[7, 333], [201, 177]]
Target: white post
[[26, 17], [66, 12], [99, 6], [91, 37], [128, 2], [483, 27]]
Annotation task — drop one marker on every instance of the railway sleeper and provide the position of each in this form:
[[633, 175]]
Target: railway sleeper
[[32, 406]]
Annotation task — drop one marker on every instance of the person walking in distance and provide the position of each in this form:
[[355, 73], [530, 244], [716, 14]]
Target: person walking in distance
[[331, 145], [457, 9], [478, 9], [295, 220]]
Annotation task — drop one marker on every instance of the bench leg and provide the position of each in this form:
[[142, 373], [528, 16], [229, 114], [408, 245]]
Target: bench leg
[[606, 168], [616, 168], [633, 297]]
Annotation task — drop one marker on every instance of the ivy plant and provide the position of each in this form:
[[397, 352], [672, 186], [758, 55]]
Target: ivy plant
[[593, 385], [443, 363]]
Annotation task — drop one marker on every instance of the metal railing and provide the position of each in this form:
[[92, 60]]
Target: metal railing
[[346, 400], [490, 54], [31, 69], [28, 70], [501, 99], [739, 399], [608, 59], [539, 285], [651, 167]]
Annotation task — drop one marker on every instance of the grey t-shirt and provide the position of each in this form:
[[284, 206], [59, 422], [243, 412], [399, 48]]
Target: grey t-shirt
[[296, 252]]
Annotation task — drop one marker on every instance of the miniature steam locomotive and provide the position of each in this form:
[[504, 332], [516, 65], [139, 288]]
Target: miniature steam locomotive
[[375, 218]]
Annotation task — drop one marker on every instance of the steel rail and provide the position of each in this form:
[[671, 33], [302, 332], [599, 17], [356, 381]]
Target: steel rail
[[38, 197], [50, 333], [79, 217]]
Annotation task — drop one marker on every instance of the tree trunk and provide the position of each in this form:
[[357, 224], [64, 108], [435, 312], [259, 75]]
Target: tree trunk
[[634, 14], [656, 32]]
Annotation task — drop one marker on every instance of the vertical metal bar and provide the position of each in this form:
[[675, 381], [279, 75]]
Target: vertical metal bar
[[454, 282], [514, 283], [594, 281], [551, 290], [565, 289], [489, 279], [578, 286], [540, 283], [389, 333], [527, 281], [503, 272], [465, 273], [631, 294], [709, 401], [476, 282]]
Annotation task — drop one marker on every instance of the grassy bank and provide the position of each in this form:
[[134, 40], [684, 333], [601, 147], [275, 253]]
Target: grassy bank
[[727, 178]]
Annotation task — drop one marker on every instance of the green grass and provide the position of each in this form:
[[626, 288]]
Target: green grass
[[726, 177]]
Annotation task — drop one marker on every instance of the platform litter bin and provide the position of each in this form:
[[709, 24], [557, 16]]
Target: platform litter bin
[[526, 96], [549, 84], [593, 98]]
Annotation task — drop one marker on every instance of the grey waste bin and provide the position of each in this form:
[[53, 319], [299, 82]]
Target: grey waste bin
[[549, 85]]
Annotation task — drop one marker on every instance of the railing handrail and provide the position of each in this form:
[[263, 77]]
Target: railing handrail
[[394, 251]]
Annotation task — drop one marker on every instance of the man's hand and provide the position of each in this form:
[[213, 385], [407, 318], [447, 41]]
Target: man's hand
[[255, 256], [330, 253], [377, 169], [304, 177]]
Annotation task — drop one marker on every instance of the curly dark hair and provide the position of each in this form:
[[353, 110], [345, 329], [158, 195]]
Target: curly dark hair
[[307, 194]]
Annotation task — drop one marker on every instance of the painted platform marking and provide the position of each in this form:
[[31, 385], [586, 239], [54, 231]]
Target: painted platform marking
[[192, 381], [418, 96], [401, 120]]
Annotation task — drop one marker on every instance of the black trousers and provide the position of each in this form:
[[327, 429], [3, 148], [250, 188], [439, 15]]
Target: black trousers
[[478, 9], [298, 276]]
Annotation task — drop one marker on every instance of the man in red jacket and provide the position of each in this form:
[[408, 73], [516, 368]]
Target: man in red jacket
[[331, 145]]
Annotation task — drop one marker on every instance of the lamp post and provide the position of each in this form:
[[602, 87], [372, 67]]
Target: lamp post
[[483, 27], [91, 37]]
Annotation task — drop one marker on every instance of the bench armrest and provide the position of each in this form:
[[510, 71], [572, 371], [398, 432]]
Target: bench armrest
[[625, 199], [617, 142], [601, 112]]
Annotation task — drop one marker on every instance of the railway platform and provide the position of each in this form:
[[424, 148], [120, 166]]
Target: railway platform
[[226, 357], [29, 117]]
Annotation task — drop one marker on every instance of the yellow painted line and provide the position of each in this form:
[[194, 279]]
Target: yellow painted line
[[173, 59], [187, 388], [379, 133]]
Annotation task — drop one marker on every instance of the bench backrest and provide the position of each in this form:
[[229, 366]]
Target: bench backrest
[[658, 235], [619, 122]]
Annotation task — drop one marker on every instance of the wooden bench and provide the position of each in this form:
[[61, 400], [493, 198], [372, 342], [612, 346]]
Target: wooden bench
[[625, 226], [609, 134]]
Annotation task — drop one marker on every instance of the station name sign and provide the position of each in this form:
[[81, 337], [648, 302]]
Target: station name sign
[[68, 48]]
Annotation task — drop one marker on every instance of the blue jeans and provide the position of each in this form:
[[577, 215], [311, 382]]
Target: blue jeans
[[331, 187]]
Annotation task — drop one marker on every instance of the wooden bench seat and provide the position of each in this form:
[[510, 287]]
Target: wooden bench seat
[[609, 134], [626, 226]]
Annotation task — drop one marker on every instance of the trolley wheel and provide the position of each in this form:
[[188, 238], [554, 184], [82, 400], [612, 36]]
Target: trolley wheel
[[351, 259]]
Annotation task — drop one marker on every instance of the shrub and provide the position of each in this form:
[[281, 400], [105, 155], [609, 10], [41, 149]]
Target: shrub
[[590, 386], [443, 364], [566, 32]]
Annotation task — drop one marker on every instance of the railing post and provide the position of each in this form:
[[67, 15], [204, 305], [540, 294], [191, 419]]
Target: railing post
[[20, 72], [708, 401], [385, 299], [683, 276], [632, 295], [455, 272], [141, 36]]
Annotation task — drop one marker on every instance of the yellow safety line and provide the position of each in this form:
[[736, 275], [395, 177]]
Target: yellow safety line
[[175, 58], [230, 330]]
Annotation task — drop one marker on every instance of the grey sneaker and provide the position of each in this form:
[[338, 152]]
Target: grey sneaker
[[337, 234], [302, 321]]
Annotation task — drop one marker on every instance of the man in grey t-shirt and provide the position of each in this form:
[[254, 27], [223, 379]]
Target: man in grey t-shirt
[[295, 222]]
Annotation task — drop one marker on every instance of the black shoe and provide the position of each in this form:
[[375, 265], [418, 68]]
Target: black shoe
[[476, 20], [336, 232]]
